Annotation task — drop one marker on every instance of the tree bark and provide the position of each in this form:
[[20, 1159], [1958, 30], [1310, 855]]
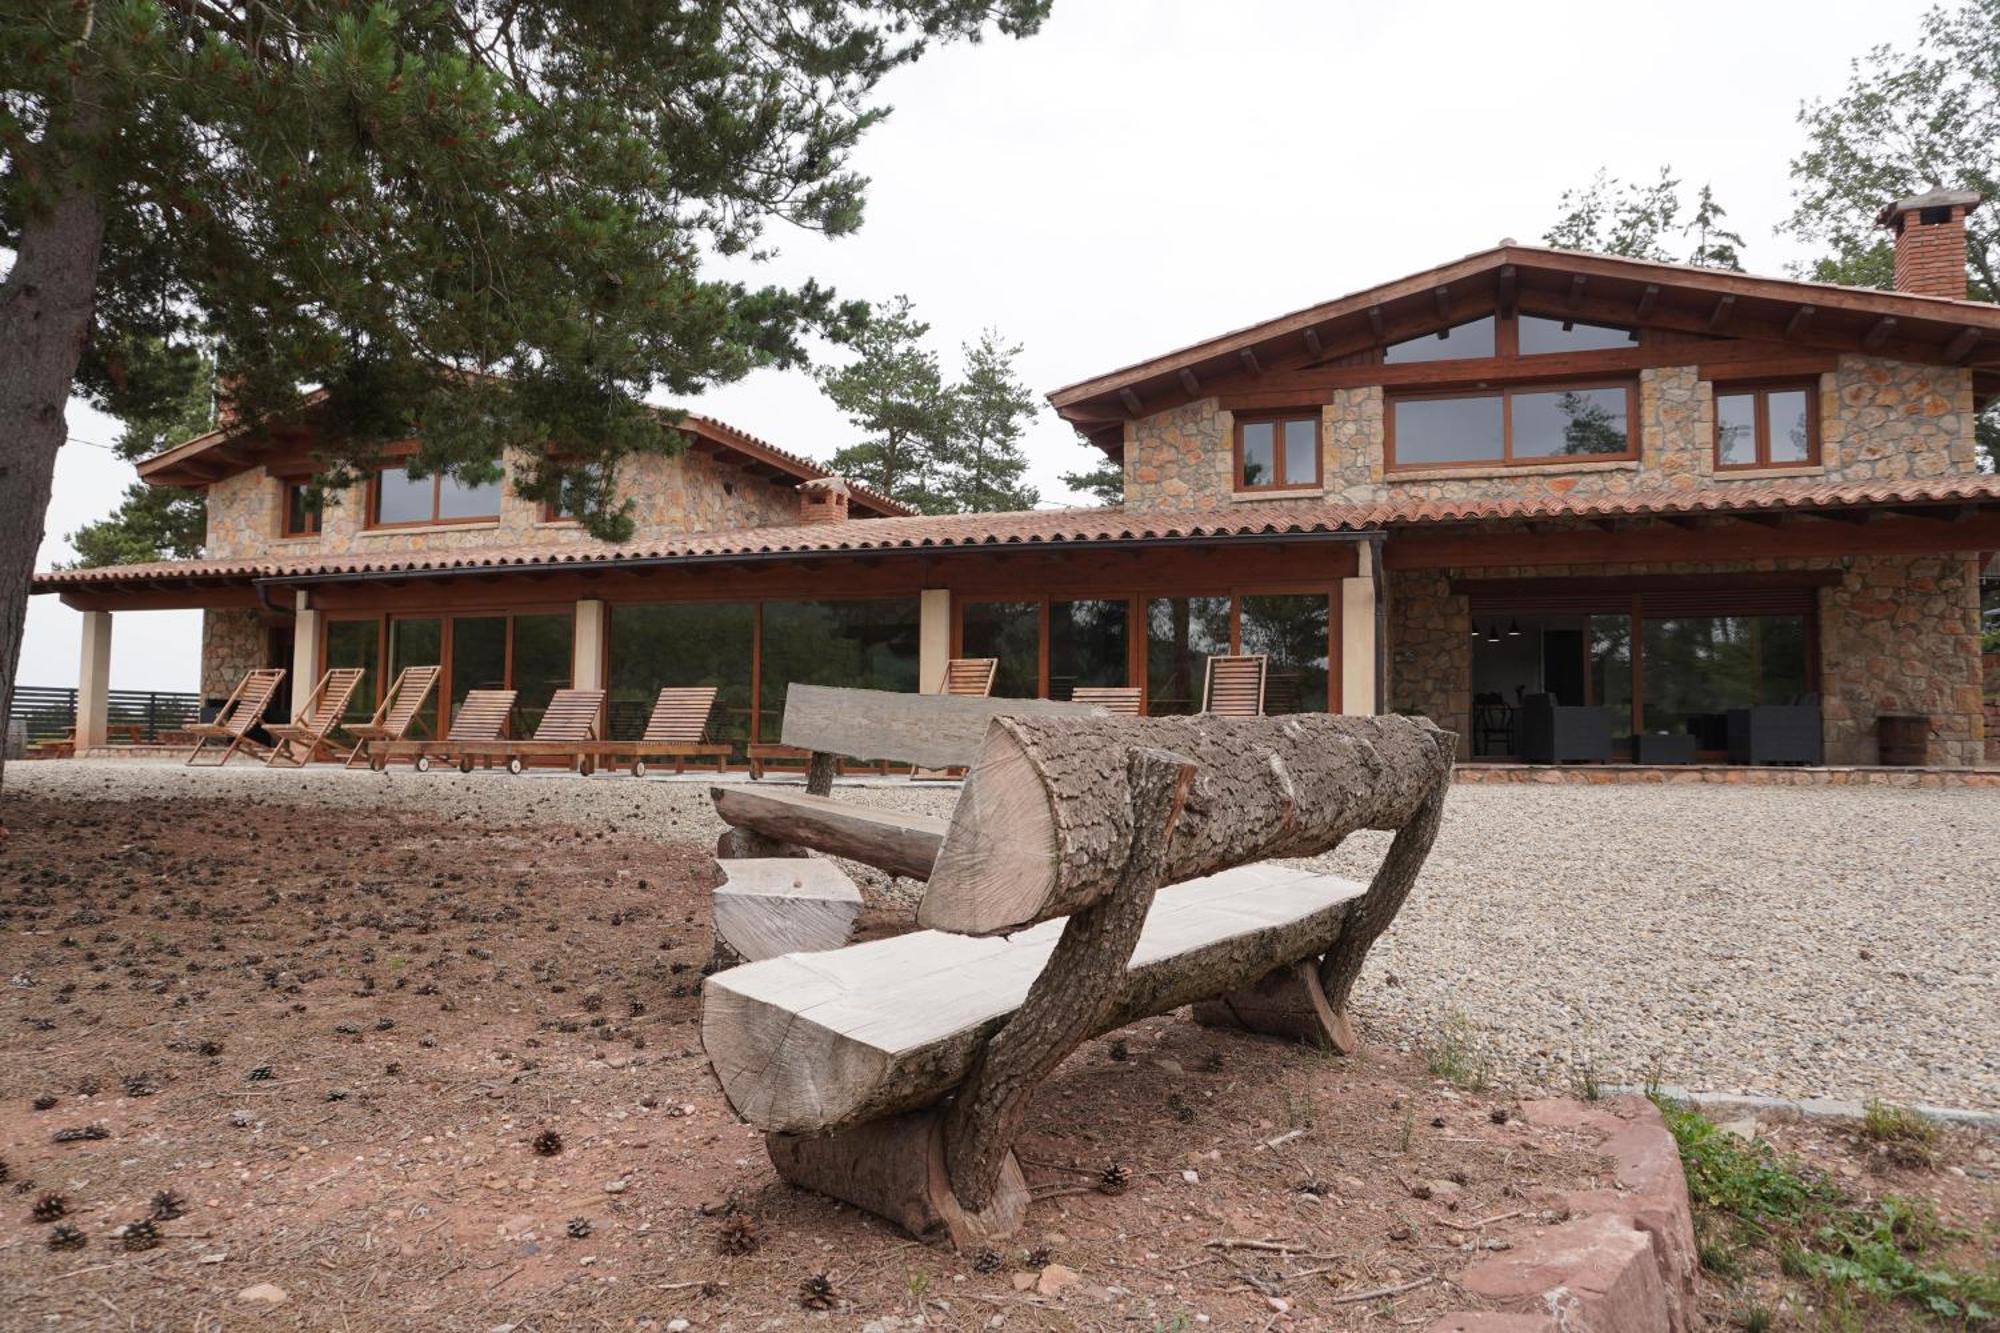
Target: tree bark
[[1369, 915], [1079, 986], [902, 844], [1044, 820], [45, 310]]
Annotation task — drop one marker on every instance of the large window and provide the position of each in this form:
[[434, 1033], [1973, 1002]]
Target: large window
[[1529, 425], [870, 644], [302, 510], [1182, 633], [1088, 645], [398, 499], [1291, 632], [1277, 453], [1539, 337], [1518, 335], [542, 657], [1476, 338], [700, 643], [1696, 668], [356, 643], [1010, 632], [1770, 426], [417, 641], [478, 656]]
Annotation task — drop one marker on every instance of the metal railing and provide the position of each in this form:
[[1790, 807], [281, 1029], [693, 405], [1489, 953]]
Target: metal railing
[[46, 712]]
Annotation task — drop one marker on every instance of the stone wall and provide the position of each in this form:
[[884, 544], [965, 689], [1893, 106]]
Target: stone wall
[[1879, 420], [1898, 634], [232, 642], [683, 494]]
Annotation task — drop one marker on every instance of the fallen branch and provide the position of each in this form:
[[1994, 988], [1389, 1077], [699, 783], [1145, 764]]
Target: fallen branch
[[1377, 1293], [1482, 1222]]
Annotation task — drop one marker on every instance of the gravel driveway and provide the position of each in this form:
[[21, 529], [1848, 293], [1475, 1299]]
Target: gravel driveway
[[1790, 941]]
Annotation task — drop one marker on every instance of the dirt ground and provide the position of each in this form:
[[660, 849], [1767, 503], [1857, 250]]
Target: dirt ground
[[339, 1039]]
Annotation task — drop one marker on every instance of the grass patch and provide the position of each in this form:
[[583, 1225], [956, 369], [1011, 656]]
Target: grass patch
[[1858, 1255], [1908, 1137], [1458, 1056]]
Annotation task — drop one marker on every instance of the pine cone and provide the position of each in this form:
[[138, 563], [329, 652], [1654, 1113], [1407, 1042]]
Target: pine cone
[[66, 1237], [987, 1261], [43, 1102], [739, 1234], [1041, 1257], [548, 1143], [816, 1292], [5, 1171], [82, 1134], [168, 1205], [579, 1228], [50, 1208], [140, 1235], [1113, 1179]]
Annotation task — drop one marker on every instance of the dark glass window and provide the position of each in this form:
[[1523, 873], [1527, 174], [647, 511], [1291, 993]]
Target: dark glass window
[[1515, 426], [1766, 427], [301, 510], [478, 656], [1539, 336], [1460, 342], [416, 642], [1088, 645], [356, 643], [1182, 633], [1012, 633], [1430, 431], [1707, 665], [697, 643], [1570, 422], [1291, 631], [401, 498], [867, 644], [542, 660], [1278, 453]]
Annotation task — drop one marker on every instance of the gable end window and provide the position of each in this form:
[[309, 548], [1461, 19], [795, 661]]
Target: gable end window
[[1277, 453], [396, 499], [301, 512], [1537, 424], [1765, 426]]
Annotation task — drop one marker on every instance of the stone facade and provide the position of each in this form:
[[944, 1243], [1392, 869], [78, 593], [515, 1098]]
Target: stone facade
[[232, 642], [1879, 420], [684, 494], [1898, 634]]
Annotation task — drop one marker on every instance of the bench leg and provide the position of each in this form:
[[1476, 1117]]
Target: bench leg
[[895, 1168], [1288, 1003]]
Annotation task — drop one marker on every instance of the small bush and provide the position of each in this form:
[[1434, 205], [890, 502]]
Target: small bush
[[1908, 1137], [1458, 1056]]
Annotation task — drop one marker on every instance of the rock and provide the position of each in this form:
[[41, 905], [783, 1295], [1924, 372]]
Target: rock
[[678, 1326], [1024, 1281], [615, 1186], [1444, 1191], [1743, 1127], [1055, 1278], [264, 1293]]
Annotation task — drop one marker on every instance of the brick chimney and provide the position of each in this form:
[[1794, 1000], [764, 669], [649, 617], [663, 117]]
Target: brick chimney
[[823, 500], [1930, 241]]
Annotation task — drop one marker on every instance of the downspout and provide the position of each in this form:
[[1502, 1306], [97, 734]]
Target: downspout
[[1379, 577]]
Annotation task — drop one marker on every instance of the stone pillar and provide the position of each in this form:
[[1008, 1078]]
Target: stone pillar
[[933, 638], [305, 654], [1357, 641], [586, 670], [93, 683]]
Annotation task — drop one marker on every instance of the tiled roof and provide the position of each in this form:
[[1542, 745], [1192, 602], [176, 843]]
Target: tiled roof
[[1065, 527]]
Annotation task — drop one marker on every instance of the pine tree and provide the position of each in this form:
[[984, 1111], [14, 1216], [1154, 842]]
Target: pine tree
[[985, 467], [1636, 219], [1715, 246], [481, 224], [895, 395], [156, 522], [1105, 482]]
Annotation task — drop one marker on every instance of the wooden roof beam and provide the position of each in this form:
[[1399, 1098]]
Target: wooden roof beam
[[1649, 297], [1189, 384], [1313, 347], [1960, 347], [1131, 402], [1375, 322], [1251, 365], [1577, 282], [1505, 290], [1724, 309], [1800, 318], [1878, 332], [1441, 298]]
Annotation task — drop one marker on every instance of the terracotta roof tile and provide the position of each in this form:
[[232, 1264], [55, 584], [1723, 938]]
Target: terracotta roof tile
[[1064, 527]]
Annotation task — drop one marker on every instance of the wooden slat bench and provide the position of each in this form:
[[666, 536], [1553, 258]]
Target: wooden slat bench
[[567, 731], [894, 1075], [477, 720], [676, 730]]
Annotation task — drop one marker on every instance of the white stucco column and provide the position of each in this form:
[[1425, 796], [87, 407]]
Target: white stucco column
[[305, 653], [1357, 640], [93, 683], [586, 670], [933, 638]]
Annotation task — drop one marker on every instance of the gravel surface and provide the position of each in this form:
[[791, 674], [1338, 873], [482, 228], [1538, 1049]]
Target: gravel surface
[[1786, 941]]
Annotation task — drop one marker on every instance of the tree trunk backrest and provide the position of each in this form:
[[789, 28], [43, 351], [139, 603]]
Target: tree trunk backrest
[[481, 716], [571, 716], [680, 715], [1234, 687]]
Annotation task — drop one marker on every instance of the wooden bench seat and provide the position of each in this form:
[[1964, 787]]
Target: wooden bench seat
[[818, 1041]]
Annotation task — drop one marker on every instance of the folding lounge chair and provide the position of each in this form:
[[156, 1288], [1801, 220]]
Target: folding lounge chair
[[301, 740], [677, 730], [1234, 687], [1117, 700], [568, 730], [969, 677], [478, 719], [239, 713], [392, 721]]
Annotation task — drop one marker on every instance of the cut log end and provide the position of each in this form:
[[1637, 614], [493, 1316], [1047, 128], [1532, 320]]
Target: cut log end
[[771, 906], [895, 1168], [1288, 1003], [999, 854]]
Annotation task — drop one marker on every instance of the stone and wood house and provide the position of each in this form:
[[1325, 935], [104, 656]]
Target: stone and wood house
[[1526, 490]]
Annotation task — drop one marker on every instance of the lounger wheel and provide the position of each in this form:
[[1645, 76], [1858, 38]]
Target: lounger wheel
[[514, 764], [465, 765], [423, 763], [638, 768]]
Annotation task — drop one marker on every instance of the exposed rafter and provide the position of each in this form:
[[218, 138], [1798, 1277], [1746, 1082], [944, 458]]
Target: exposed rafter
[[1505, 288], [1251, 365], [1724, 308], [1878, 332], [1312, 343], [1960, 347], [1800, 318], [1648, 298], [1131, 401], [1375, 321], [1189, 383], [1441, 298]]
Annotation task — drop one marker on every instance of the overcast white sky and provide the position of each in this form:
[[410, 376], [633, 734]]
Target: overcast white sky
[[1146, 173]]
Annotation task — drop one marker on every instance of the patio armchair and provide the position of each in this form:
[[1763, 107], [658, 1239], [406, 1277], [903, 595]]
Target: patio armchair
[[1776, 733], [1554, 734]]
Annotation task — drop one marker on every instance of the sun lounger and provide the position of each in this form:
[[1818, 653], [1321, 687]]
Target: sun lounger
[[300, 740], [677, 730], [240, 712], [392, 721]]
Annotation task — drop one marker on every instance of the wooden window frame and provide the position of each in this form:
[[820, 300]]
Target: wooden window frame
[[1505, 393], [1507, 339], [315, 517], [436, 480], [1760, 391], [1278, 420]]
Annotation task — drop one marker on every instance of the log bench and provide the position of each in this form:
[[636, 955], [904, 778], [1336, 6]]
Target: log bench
[[1097, 870]]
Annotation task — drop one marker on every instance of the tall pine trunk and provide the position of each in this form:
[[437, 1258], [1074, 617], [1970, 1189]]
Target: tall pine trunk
[[45, 307]]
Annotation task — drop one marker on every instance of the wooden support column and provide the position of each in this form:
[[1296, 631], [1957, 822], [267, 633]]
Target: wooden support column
[[305, 654], [1357, 641], [93, 683], [933, 638], [586, 670]]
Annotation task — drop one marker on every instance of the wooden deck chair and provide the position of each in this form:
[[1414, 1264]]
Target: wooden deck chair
[[301, 739], [677, 730], [968, 677], [1117, 700], [568, 730], [1234, 687], [479, 719], [240, 712], [406, 698]]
